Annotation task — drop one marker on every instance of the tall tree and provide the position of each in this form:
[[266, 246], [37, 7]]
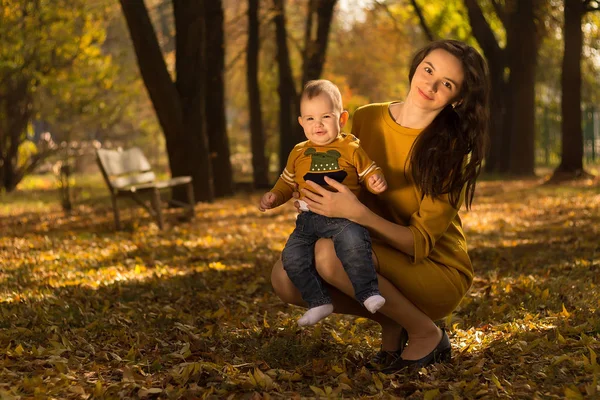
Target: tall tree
[[216, 122], [64, 71], [571, 165], [512, 106], [316, 36], [260, 170], [179, 105], [522, 62], [288, 102]]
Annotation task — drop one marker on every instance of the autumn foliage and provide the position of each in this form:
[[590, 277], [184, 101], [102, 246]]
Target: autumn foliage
[[188, 312]]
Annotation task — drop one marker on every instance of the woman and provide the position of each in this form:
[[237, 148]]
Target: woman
[[430, 148]]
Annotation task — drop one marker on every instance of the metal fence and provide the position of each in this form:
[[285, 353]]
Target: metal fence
[[548, 136]]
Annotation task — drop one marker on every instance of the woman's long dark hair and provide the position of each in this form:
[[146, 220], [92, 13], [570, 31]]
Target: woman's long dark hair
[[447, 154]]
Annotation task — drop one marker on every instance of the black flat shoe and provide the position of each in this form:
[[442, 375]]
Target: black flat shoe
[[384, 358], [441, 353]]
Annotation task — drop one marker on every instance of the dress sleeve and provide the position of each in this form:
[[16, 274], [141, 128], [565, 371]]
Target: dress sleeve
[[429, 223]]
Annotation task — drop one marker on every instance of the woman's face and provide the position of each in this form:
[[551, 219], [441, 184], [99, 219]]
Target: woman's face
[[437, 81]]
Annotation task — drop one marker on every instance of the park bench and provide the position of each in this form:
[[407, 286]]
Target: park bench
[[127, 173]]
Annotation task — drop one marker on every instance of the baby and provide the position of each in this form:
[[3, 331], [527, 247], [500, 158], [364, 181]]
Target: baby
[[327, 152]]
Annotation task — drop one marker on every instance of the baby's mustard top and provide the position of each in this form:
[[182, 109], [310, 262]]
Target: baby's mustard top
[[343, 160], [435, 224]]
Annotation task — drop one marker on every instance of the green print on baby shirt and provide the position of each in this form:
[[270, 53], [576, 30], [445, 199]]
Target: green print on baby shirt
[[322, 165]]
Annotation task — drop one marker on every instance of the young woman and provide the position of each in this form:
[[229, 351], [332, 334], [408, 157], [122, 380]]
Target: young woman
[[430, 148]]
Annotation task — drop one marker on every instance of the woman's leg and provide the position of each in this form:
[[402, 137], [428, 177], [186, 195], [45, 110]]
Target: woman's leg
[[400, 312], [288, 293]]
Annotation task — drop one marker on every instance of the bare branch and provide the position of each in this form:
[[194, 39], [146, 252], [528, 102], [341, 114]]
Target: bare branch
[[422, 21], [500, 12]]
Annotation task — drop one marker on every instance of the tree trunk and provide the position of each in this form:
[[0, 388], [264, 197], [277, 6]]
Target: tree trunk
[[190, 66], [184, 136], [315, 45], [496, 160], [522, 64], [572, 133], [260, 168], [316, 38], [16, 112], [288, 102], [216, 122]]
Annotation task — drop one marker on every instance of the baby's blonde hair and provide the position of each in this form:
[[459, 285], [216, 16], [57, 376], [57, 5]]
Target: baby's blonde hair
[[315, 87]]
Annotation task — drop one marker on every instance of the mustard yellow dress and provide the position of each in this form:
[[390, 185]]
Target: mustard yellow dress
[[440, 273]]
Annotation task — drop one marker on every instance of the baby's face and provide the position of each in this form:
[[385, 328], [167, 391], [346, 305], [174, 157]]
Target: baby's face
[[320, 122]]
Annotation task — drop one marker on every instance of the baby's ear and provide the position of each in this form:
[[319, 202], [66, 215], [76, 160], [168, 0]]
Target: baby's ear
[[343, 118]]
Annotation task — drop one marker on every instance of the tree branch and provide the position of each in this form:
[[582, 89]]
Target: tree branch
[[484, 33], [422, 21], [500, 12]]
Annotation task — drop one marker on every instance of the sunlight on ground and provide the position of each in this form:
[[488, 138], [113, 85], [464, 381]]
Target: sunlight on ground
[[189, 311]]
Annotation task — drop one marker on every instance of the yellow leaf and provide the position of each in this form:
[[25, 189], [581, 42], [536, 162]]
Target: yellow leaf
[[572, 394], [265, 323], [219, 313], [592, 357], [336, 336], [77, 390], [98, 390], [564, 312], [377, 382], [317, 391], [496, 381], [545, 294], [560, 337], [560, 359], [431, 394], [343, 378], [337, 369], [592, 388], [263, 380], [19, 350], [143, 392], [4, 395]]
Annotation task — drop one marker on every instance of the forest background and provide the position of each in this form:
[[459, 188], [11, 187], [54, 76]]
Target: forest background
[[86, 87], [188, 312]]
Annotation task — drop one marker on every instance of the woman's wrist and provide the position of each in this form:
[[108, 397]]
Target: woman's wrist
[[362, 216]]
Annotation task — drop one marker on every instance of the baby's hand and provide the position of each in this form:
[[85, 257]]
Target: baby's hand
[[377, 183], [267, 201]]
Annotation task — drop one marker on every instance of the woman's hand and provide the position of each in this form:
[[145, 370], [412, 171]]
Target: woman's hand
[[340, 204]]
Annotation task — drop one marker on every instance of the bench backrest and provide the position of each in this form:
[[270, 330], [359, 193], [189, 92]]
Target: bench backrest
[[124, 168]]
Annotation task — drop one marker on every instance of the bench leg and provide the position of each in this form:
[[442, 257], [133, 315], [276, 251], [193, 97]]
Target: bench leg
[[113, 198], [157, 208], [190, 196]]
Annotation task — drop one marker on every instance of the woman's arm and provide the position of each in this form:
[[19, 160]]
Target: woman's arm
[[344, 204]]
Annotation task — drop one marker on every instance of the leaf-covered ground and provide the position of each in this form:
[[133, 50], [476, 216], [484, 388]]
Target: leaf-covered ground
[[87, 312]]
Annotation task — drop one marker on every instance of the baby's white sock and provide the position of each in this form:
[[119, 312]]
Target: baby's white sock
[[314, 315], [374, 303]]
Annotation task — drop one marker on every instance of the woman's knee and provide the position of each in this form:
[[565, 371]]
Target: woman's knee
[[327, 263], [283, 287]]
